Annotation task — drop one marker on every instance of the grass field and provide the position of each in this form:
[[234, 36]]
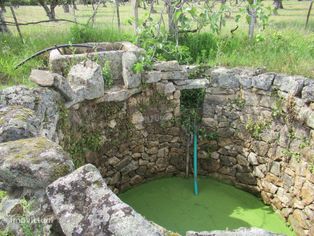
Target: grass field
[[285, 46]]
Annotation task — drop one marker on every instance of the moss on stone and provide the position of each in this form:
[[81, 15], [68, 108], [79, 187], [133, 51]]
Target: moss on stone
[[60, 170]]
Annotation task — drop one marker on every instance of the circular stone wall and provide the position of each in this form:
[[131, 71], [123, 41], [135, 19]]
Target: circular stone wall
[[263, 123]]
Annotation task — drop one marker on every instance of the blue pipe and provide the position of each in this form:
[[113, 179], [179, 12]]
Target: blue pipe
[[195, 163]]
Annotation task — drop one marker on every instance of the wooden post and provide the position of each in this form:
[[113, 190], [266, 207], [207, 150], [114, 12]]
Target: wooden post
[[16, 23]]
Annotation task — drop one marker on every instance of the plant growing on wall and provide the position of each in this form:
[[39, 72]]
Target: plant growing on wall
[[191, 115]]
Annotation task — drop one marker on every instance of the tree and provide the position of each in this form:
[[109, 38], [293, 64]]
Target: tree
[[2, 6], [50, 11], [3, 25], [278, 4], [135, 5]]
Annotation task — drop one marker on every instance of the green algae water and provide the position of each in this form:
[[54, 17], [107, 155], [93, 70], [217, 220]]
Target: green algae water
[[170, 203]]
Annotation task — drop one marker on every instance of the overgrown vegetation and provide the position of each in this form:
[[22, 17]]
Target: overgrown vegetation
[[256, 128], [282, 47]]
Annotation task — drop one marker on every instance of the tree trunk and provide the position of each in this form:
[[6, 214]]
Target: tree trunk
[[53, 5], [3, 25], [134, 6], [66, 8], [152, 9], [278, 4], [74, 5], [2, 6], [50, 12], [252, 14], [118, 14], [170, 12]]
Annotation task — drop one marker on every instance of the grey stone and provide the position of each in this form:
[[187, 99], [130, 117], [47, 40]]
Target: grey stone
[[84, 205], [45, 102], [152, 77], [308, 92], [167, 88], [310, 119], [245, 81], [263, 81], [86, 81], [275, 168], [33, 162], [252, 158], [42, 77], [246, 178], [289, 84], [47, 79], [235, 232], [166, 66], [225, 78], [174, 75], [130, 78], [192, 84], [17, 122], [117, 94]]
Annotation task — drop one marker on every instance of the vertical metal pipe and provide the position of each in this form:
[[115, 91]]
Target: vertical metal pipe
[[195, 162]]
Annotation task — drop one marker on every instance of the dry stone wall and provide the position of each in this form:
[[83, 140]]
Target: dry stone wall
[[129, 141], [260, 127], [264, 122]]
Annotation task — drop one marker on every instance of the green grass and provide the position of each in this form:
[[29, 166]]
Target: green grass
[[284, 47], [170, 202]]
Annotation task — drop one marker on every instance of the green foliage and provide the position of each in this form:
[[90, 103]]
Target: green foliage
[[158, 44], [107, 75], [277, 109], [88, 141], [292, 154], [84, 34], [191, 108], [144, 63], [3, 194], [239, 102], [256, 128], [208, 135]]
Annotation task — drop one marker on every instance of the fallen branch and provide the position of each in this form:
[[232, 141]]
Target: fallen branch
[[43, 21]]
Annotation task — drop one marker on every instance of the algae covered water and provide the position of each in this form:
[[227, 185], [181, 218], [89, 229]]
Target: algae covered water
[[170, 203]]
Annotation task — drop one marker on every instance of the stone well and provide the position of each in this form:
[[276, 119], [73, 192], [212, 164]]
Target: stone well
[[263, 124], [118, 55]]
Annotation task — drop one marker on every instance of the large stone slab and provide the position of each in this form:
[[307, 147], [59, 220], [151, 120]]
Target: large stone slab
[[118, 94], [192, 84], [44, 102], [225, 78], [17, 122], [86, 81], [166, 66], [84, 205], [130, 78], [290, 84], [47, 79], [263, 81], [32, 163]]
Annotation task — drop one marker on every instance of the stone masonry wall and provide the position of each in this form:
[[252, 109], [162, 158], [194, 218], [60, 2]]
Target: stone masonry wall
[[129, 141], [264, 122], [260, 128]]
